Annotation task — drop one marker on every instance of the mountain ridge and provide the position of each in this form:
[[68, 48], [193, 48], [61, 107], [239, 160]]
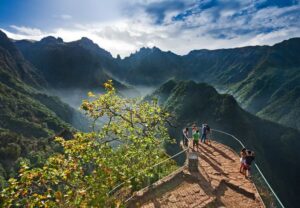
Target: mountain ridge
[[28, 117], [274, 144], [76, 64], [257, 76]]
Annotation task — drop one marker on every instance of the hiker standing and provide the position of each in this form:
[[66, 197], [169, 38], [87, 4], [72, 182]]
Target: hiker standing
[[185, 137], [194, 129], [242, 160], [203, 137], [196, 136], [208, 134], [250, 156]]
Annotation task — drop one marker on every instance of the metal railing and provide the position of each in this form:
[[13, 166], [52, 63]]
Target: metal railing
[[269, 196], [258, 178], [157, 168]]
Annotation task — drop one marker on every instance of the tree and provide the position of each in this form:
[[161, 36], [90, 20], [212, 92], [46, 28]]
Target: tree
[[120, 151]]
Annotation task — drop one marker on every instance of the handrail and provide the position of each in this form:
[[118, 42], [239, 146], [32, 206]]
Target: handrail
[[157, 164], [264, 178], [184, 150]]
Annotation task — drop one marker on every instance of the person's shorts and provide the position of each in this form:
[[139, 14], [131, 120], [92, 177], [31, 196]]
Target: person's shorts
[[195, 142]]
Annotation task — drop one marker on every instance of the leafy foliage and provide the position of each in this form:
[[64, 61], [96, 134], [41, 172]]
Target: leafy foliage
[[94, 163], [29, 119]]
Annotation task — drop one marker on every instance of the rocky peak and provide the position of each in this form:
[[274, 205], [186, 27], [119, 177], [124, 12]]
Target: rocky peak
[[51, 40], [90, 45], [6, 44]]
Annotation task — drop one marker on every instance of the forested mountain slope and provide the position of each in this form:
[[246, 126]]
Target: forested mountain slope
[[79, 64], [264, 79], [276, 146], [28, 117]]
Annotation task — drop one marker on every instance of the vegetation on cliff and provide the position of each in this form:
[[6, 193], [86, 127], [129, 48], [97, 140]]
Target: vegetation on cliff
[[94, 163]]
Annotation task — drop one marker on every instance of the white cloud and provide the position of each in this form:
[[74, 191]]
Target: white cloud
[[273, 37], [27, 30], [202, 29]]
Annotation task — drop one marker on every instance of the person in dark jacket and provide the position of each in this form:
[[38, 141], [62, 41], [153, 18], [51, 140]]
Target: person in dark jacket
[[208, 134], [203, 136], [250, 156]]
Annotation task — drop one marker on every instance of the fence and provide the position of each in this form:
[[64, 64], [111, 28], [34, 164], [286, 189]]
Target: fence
[[265, 190], [154, 174], [158, 171]]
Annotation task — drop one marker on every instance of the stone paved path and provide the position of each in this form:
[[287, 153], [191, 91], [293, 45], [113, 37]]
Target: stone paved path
[[217, 184]]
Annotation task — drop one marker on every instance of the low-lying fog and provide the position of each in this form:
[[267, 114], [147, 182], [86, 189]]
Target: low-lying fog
[[74, 97]]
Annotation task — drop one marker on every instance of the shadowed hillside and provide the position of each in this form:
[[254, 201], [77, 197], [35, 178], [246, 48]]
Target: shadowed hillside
[[28, 117], [276, 146], [80, 64], [264, 79]]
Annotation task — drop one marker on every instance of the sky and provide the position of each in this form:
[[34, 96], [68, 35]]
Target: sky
[[123, 27]]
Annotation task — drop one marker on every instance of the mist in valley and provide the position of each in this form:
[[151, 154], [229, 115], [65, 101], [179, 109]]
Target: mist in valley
[[74, 98]]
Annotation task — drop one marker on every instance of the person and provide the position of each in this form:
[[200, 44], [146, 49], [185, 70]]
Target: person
[[196, 136], [208, 134], [203, 137], [194, 128], [242, 159], [250, 156], [185, 136]]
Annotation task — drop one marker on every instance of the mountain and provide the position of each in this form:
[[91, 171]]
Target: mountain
[[14, 66], [272, 89], [276, 146], [150, 66], [264, 79], [79, 64], [29, 118]]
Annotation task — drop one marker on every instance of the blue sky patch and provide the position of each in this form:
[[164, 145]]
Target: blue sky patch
[[180, 25]]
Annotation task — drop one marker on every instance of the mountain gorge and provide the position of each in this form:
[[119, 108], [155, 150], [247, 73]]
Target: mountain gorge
[[264, 79], [275, 146], [28, 116]]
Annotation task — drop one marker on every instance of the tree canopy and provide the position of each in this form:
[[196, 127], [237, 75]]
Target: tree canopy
[[119, 151]]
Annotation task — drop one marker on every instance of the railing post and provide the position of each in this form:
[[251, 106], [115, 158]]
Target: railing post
[[193, 161]]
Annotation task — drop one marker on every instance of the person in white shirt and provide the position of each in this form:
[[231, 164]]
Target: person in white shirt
[[185, 137]]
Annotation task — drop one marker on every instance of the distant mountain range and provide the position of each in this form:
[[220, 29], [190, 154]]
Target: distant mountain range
[[264, 79], [28, 117], [276, 146], [76, 65]]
